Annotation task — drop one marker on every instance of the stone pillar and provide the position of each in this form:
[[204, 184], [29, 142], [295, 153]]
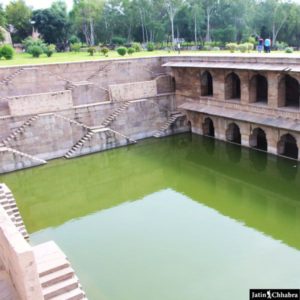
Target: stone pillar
[[220, 129], [273, 95], [245, 132], [244, 77], [272, 135], [219, 84]]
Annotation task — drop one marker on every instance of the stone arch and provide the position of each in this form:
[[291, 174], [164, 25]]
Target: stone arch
[[287, 146], [208, 127], [288, 92], [259, 89], [189, 125], [206, 84], [232, 86], [258, 139], [233, 133]]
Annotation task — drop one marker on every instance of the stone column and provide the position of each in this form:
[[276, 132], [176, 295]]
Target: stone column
[[273, 95], [272, 135], [245, 132], [218, 85], [244, 77]]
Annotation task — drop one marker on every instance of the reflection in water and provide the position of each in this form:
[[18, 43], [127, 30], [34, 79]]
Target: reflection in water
[[171, 205], [259, 159], [288, 168], [234, 152]]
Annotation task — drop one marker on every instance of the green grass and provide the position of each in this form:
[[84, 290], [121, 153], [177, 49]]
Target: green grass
[[27, 59]]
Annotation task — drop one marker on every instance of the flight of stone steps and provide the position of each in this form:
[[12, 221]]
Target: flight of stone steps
[[57, 277], [129, 140], [72, 121], [10, 77], [115, 114], [173, 117], [22, 154], [9, 204], [79, 144], [101, 69], [19, 130]]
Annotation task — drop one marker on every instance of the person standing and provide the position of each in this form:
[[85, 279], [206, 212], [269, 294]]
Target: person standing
[[267, 45], [260, 45]]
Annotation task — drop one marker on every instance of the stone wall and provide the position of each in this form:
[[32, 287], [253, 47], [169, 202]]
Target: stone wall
[[18, 260], [40, 103]]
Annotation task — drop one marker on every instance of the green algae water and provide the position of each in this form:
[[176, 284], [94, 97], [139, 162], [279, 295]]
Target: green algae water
[[179, 218]]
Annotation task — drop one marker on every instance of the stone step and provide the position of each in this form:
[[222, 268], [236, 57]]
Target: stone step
[[58, 276], [51, 266], [60, 288], [76, 294]]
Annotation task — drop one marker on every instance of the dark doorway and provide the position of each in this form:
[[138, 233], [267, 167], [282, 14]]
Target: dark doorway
[[287, 146], [291, 92], [233, 134], [232, 87], [258, 139], [208, 127], [259, 89], [206, 84]]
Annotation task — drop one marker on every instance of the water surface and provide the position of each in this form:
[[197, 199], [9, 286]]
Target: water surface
[[184, 217]]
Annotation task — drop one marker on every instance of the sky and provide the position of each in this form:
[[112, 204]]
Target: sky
[[39, 3]]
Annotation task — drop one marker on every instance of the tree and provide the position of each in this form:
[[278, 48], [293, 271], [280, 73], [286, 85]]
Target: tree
[[172, 7], [210, 7], [84, 16], [53, 24], [19, 16]]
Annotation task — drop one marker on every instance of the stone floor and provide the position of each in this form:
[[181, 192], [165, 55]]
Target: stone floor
[[7, 291]]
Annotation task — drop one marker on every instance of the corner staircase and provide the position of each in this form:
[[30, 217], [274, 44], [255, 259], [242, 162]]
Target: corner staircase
[[10, 77], [57, 277], [115, 114], [9, 204], [28, 156], [20, 130], [101, 69], [129, 140], [72, 121], [79, 144], [173, 117]]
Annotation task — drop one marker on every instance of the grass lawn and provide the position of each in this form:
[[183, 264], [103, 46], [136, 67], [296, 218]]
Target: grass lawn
[[26, 59]]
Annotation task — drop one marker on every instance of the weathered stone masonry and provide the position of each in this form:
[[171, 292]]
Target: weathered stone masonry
[[252, 101]]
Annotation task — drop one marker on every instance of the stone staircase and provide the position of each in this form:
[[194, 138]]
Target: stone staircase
[[173, 117], [57, 277], [79, 144], [115, 114], [28, 156], [10, 77], [9, 204], [129, 140], [87, 137], [101, 69], [19, 130], [72, 121]]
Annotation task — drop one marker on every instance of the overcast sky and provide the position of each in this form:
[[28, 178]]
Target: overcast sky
[[46, 3], [40, 3]]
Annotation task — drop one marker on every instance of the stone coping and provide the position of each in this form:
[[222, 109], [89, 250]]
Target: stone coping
[[294, 57], [277, 122]]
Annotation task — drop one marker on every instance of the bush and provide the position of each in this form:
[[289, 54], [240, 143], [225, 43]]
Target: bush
[[130, 50], [288, 50], [150, 46], [91, 51], [281, 45], [207, 48], [231, 47], [122, 51], [243, 48], [7, 51], [137, 47], [75, 47], [36, 51], [104, 51], [250, 46], [74, 40], [29, 43], [50, 50], [117, 40], [216, 49]]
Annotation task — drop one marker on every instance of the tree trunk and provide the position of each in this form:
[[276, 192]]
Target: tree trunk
[[207, 37], [92, 33], [195, 28], [172, 27]]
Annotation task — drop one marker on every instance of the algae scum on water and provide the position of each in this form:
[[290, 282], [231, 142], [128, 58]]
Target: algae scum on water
[[185, 217]]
